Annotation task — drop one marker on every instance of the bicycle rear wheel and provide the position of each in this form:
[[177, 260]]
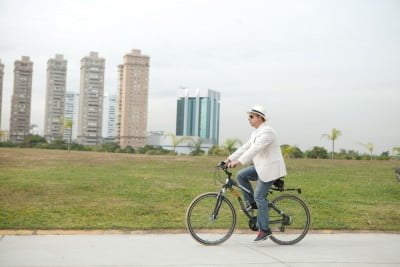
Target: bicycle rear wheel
[[293, 224], [207, 226]]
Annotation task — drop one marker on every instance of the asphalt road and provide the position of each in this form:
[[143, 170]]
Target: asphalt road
[[345, 249]]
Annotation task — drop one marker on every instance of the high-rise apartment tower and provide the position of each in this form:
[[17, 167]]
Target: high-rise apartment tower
[[20, 117], [55, 98], [91, 100], [133, 99]]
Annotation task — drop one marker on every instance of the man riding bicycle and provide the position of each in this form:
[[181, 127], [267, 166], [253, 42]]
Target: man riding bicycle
[[263, 151]]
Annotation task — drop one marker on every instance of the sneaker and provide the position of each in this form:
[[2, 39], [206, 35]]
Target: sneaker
[[263, 235]]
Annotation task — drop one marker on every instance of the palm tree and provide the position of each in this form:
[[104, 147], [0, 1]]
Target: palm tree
[[288, 151], [68, 125], [368, 146], [230, 144], [335, 133], [177, 140], [196, 150]]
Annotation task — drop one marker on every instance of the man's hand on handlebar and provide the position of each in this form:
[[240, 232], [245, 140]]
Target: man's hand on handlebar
[[229, 163], [226, 161], [234, 163]]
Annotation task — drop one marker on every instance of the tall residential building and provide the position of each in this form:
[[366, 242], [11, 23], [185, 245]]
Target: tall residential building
[[71, 113], [91, 100], [1, 87], [110, 116], [133, 99], [55, 98], [21, 100], [198, 114], [120, 75]]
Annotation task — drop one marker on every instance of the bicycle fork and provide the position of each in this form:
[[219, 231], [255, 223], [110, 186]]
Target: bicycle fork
[[220, 198]]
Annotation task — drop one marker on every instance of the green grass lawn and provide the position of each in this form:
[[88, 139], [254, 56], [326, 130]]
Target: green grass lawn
[[49, 189]]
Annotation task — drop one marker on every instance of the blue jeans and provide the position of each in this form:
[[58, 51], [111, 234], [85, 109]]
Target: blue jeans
[[244, 177]]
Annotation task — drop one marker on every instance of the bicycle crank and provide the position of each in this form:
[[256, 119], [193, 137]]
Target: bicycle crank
[[253, 224]]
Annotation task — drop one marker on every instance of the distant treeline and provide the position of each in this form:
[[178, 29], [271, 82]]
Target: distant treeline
[[36, 141]]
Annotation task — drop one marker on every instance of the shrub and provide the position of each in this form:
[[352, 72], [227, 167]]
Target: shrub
[[317, 152]]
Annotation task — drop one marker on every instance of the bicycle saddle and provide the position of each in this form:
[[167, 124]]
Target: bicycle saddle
[[279, 183]]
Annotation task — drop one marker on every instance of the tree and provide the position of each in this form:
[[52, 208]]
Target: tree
[[110, 147], [129, 149], [68, 125], [33, 140], [288, 151], [298, 153], [368, 146], [333, 135], [177, 140], [230, 144], [57, 144], [354, 154], [317, 152], [384, 156], [196, 149]]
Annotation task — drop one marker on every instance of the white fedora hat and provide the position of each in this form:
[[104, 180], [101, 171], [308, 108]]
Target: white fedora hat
[[259, 110]]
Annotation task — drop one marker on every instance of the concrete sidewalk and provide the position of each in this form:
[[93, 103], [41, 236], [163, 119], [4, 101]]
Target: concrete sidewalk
[[346, 249]]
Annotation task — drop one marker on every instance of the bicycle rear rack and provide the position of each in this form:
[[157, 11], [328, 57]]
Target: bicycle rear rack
[[298, 190]]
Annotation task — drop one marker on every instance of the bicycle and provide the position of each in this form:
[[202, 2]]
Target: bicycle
[[211, 217]]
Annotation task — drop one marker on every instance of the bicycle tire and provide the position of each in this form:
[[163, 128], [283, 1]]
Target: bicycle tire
[[201, 208], [300, 225]]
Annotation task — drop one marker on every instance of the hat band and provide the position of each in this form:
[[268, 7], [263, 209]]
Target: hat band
[[256, 111]]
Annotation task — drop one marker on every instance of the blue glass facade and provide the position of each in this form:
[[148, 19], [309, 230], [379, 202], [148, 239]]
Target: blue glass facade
[[191, 117], [198, 115], [204, 118], [180, 110]]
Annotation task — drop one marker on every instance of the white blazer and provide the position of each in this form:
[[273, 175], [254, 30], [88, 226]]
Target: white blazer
[[263, 150]]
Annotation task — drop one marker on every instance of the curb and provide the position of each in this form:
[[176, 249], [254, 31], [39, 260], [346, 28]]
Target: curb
[[24, 232]]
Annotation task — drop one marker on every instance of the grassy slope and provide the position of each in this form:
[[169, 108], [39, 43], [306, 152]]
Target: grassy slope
[[46, 189]]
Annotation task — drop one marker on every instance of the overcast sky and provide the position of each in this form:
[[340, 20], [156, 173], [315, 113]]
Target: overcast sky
[[314, 65]]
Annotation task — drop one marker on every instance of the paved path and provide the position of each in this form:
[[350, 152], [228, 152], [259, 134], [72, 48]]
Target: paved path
[[371, 249]]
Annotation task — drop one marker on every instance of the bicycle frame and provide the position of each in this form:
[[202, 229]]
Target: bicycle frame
[[229, 186]]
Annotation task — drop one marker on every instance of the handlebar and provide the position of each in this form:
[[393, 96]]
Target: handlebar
[[224, 167]]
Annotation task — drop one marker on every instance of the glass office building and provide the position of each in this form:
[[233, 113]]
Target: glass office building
[[198, 114]]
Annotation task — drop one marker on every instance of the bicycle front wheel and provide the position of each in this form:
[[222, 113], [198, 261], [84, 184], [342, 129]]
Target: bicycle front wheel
[[211, 219], [290, 219]]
